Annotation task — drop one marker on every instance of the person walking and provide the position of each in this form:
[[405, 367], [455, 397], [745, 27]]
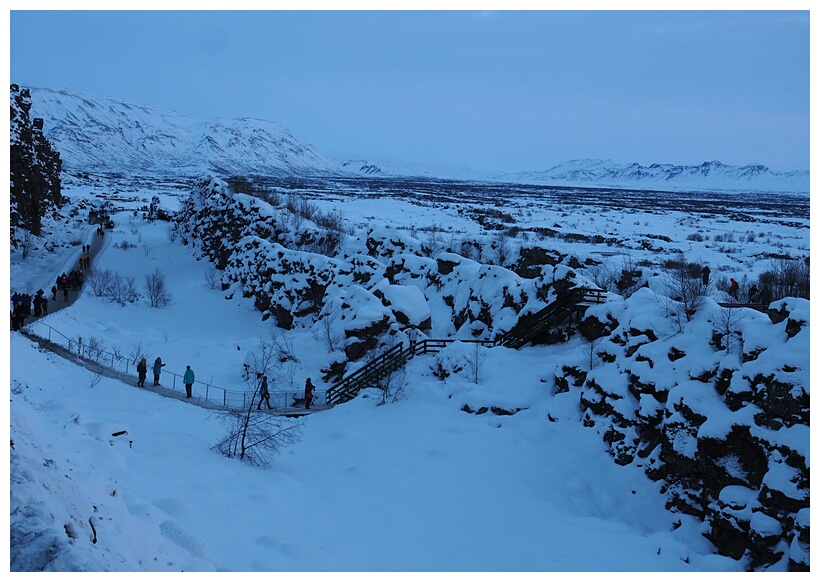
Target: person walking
[[54, 291], [704, 272], [264, 394], [765, 295], [158, 365], [142, 371], [65, 292], [44, 305], [733, 288], [188, 378], [308, 393], [754, 296]]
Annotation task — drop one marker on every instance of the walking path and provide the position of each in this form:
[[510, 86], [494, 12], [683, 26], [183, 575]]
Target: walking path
[[96, 245]]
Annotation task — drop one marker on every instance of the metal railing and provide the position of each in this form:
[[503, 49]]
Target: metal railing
[[202, 392]]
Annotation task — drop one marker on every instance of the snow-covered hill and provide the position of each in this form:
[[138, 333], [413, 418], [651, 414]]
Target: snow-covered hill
[[100, 134], [708, 175]]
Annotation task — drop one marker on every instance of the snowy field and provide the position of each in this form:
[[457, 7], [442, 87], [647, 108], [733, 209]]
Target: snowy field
[[416, 485]]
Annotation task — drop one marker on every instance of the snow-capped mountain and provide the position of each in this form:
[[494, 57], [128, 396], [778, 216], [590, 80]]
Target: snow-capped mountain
[[99, 134], [714, 174]]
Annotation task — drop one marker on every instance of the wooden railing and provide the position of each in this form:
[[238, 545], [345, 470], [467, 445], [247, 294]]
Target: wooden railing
[[394, 358]]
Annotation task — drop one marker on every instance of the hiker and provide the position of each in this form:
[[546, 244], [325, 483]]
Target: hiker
[[65, 293], [19, 315], [754, 295], [765, 295], [37, 305], [44, 305], [308, 392], [413, 335], [158, 365], [733, 288], [188, 378], [54, 291], [264, 394], [704, 272], [142, 371]]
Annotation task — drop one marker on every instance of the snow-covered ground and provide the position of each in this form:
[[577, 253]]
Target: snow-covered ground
[[415, 485]]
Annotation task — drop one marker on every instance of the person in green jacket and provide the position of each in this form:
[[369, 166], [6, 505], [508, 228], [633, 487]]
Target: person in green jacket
[[157, 369], [188, 378]]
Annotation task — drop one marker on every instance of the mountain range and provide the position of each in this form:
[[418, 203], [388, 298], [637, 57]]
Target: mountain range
[[106, 135]]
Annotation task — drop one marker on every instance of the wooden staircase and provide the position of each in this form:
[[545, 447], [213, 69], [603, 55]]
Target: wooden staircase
[[532, 328], [562, 309]]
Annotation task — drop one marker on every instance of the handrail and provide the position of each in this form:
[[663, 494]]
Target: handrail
[[398, 355], [201, 391]]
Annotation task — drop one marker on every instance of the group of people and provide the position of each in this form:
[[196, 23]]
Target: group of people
[[72, 281], [189, 378], [264, 394], [754, 296], [142, 372], [21, 307]]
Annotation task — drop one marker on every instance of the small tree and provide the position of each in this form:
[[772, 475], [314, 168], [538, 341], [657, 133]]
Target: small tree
[[475, 362], [212, 278], [686, 289], [136, 353], [156, 290], [100, 281], [727, 326], [327, 332], [589, 353], [253, 436]]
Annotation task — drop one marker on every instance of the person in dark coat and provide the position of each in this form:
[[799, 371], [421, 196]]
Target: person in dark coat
[[308, 392], [142, 371], [264, 394], [65, 292], [704, 272], [37, 305], [157, 370], [765, 295], [54, 292], [188, 379], [754, 296], [44, 305]]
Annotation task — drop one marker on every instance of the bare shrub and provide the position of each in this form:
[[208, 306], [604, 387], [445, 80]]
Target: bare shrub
[[253, 436], [136, 353], [26, 241], [727, 328], [123, 289], [213, 279], [474, 362], [685, 288], [100, 281], [787, 277], [95, 348], [156, 289], [283, 346], [327, 332], [501, 248]]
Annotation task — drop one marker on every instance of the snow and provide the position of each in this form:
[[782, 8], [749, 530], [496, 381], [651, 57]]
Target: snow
[[415, 485]]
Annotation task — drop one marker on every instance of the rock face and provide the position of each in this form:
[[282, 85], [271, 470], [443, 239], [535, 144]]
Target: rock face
[[35, 167], [357, 289], [724, 427]]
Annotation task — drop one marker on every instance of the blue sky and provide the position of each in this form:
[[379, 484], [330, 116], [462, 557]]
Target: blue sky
[[496, 90]]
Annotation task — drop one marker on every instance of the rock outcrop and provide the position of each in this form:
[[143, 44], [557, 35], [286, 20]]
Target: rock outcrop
[[35, 167]]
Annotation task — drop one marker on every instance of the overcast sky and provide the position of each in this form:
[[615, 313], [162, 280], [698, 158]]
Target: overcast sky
[[485, 90]]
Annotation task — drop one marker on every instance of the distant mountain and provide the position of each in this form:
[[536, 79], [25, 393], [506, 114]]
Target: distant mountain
[[99, 134], [708, 175]]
